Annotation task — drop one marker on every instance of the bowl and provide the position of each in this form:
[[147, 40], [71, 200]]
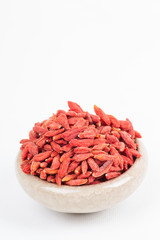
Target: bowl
[[84, 199]]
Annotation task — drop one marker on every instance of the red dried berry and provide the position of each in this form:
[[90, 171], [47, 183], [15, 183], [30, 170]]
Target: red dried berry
[[76, 148]]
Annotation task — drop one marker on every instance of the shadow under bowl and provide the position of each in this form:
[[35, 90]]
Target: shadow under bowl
[[84, 199]]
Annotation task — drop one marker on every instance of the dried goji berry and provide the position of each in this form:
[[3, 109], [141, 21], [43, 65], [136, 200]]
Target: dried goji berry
[[64, 167], [69, 177], [127, 139], [74, 107], [88, 116], [56, 147], [105, 129], [82, 150], [111, 175], [84, 175], [49, 160], [124, 125], [39, 170], [47, 147], [131, 130], [119, 145], [75, 147], [73, 166], [43, 175], [88, 133], [72, 133], [32, 135], [81, 156], [55, 162], [93, 165], [79, 123], [102, 115], [58, 180], [78, 170], [135, 153], [116, 134], [66, 148], [104, 157], [50, 171], [26, 168], [71, 114], [100, 146], [51, 179], [84, 167], [115, 122], [77, 182], [128, 153], [98, 141], [41, 156], [81, 142], [95, 118], [25, 141], [114, 169], [111, 138], [66, 155], [90, 179], [54, 126], [103, 169], [137, 134], [60, 112], [96, 152], [34, 166], [24, 152], [127, 160], [43, 164], [62, 119], [60, 141], [41, 141], [40, 130], [54, 132]]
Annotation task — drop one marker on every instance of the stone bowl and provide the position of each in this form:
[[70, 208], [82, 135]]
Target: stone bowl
[[84, 199]]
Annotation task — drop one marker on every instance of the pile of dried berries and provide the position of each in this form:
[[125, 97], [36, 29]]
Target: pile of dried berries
[[76, 147]]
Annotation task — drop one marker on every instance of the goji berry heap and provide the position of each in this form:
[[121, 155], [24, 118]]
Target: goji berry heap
[[76, 148]]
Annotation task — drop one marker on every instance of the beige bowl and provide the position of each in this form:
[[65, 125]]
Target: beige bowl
[[84, 199]]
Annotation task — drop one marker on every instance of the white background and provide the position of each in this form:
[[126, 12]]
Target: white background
[[92, 52]]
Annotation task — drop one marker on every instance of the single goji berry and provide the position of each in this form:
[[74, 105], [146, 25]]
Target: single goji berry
[[93, 165], [103, 169], [78, 170], [56, 147], [111, 175], [102, 115], [64, 167], [77, 182], [69, 177], [75, 107], [127, 139], [55, 162], [73, 166], [40, 130], [84, 175], [82, 150], [50, 171], [81, 156], [62, 119], [34, 166], [84, 166], [88, 133], [41, 156]]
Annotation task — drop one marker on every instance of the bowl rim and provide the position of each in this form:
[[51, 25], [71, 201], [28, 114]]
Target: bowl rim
[[51, 186]]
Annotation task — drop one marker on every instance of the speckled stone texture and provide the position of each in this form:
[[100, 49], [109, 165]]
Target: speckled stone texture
[[84, 199]]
